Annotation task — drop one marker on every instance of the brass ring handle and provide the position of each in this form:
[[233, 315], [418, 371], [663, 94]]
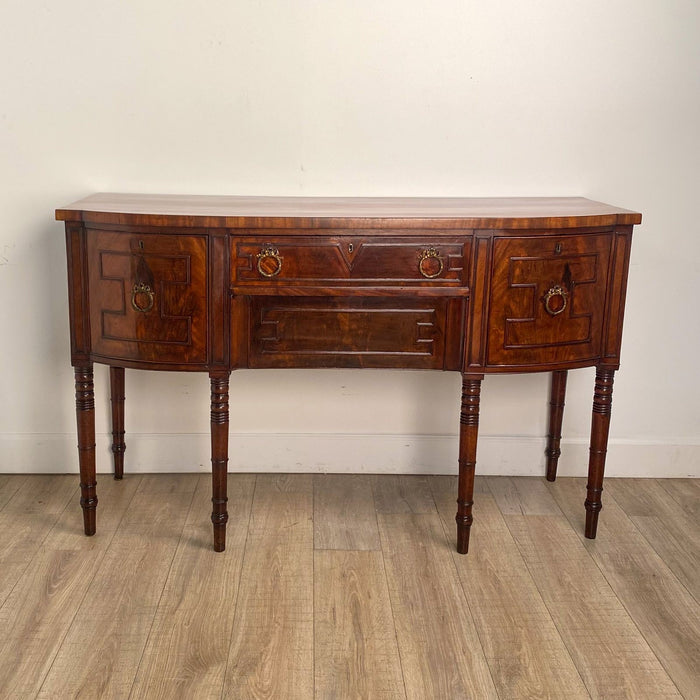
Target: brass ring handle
[[431, 255], [138, 290], [556, 291], [269, 254]]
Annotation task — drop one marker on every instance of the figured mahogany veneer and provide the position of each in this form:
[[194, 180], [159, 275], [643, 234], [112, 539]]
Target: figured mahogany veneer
[[357, 260], [354, 332], [521, 330], [479, 286], [174, 268]]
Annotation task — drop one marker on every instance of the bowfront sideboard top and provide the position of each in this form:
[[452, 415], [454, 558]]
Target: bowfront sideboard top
[[474, 285], [341, 212]]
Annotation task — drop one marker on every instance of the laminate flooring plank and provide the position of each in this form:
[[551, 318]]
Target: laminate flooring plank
[[271, 653], [284, 483], [640, 496], [27, 518], [356, 654], [10, 484], [673, 534], [524, 650], [441, 655], [686, 492], [402, 493], [505, 494], [115, 498], [525, 495], [42, 496], [187, 648], [610, 653], [662, 608], [38, 613], [448, 483], [101, 652], [344, 515]]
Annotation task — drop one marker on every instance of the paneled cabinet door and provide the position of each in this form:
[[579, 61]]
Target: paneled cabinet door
[[547, 299], [148, 297]]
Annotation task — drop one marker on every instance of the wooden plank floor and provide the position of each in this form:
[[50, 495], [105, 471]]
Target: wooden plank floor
[[340, 587]]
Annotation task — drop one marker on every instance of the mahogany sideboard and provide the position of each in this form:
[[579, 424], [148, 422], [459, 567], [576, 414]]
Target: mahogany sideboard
[[477, 286]]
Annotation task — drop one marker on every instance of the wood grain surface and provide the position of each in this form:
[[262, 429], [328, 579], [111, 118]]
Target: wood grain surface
[[660, 605], [441, 655], [344, 212], [146, 609], [673, 535], [187, 647], [272, 647], [526, 654], [344, 515], [45, 498], [38, 614], [10, 484], [613, 658], [101, 651], [403, 493], [356, 652]]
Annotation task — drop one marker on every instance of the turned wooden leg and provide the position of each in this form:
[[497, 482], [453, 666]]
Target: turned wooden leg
[[85, 413], [116, 384], [600, 425], [556, 414], [468, 432], [219, 456]]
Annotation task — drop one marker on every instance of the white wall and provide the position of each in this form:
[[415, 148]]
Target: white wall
[[350, 97]]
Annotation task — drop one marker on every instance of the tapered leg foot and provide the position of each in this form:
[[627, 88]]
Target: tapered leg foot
[[464, 524], [556, 414], [85, 414], [219, 457], [600, 426], [219, 536], [116, 384], [89, 517], [591, 522], [468, 433]]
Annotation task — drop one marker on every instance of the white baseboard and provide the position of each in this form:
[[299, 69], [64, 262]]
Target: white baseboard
[[329, 453]]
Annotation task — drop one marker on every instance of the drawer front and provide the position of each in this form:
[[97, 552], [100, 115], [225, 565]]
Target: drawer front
[[347, 332], [348, 259], [547, 301], [148, 297]]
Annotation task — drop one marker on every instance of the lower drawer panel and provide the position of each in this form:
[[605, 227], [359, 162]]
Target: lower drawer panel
[[347, 332]]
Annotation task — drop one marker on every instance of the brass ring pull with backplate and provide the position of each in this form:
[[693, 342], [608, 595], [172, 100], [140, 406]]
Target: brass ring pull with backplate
[[269, 262], [430, 264], [556, 291], [142, 290]]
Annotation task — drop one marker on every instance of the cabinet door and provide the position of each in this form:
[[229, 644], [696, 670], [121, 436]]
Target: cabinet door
[[547, 301], [148, 297]]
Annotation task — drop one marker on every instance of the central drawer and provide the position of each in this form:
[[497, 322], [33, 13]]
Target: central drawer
[[348, 332], [437, 261]]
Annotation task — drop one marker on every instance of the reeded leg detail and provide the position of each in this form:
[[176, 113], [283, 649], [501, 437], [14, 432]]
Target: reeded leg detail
[[600, 425], [468, 432], [556, 414], [116, 384], [85, 414], [219, 457]]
